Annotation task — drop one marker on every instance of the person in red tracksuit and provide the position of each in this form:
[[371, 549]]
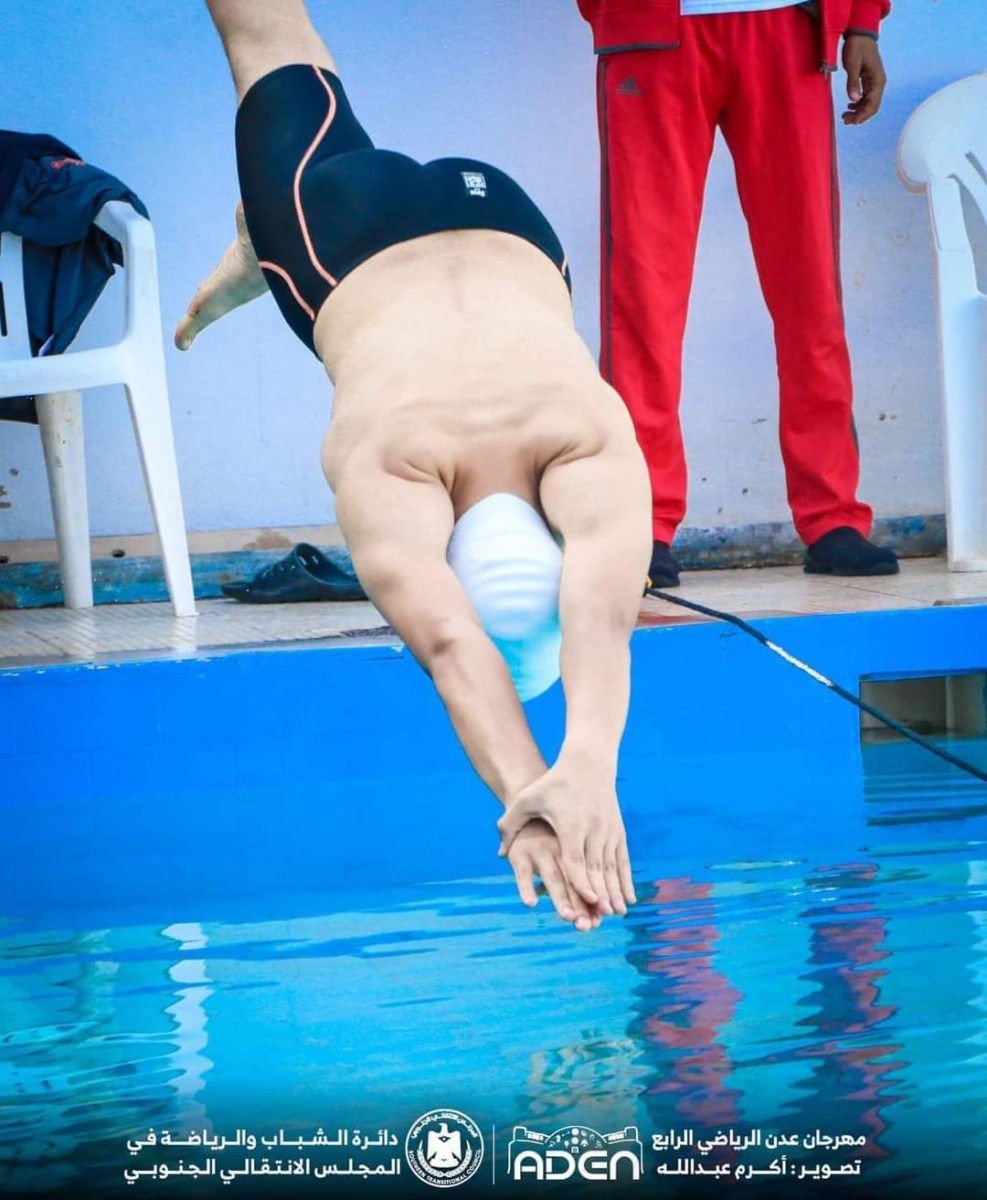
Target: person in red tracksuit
[[669, 73]]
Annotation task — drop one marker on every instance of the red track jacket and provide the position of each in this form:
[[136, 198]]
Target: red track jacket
[[654, 24]]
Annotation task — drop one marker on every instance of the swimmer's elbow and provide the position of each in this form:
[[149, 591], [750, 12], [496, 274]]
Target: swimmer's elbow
[[601, 617], [425, 606], [446, 642]]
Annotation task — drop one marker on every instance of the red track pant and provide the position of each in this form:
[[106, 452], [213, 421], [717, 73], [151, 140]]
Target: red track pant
[[756, 76]]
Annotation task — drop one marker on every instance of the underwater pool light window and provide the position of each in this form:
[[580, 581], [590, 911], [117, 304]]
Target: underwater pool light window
[[931, 705]]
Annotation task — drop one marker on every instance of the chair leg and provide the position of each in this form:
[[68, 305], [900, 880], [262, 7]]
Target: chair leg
[[60, 421], [151, 415], [962, 343]]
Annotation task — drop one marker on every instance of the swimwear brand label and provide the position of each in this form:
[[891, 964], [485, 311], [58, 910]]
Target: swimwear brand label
[[476, 182]]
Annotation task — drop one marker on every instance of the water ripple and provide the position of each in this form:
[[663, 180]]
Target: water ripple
[[786, 995]]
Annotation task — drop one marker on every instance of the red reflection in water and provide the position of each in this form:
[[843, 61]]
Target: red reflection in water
[[700, 1002], [845, 953], [690, 1001]]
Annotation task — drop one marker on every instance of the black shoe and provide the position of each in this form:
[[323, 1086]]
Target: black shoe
[[844, 551], [664, 570], [304, 574]]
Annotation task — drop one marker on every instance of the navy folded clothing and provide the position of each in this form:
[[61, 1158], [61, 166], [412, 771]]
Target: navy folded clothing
[[49, 197]]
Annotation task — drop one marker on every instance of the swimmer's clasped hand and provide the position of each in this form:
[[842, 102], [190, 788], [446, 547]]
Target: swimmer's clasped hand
[[535, 855], [583, 813]]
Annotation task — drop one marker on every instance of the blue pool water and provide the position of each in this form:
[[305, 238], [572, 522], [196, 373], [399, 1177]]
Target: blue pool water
[[259, 892], [840, 987]]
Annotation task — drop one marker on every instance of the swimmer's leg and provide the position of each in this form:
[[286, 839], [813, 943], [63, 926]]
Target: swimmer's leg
[[261, 35]]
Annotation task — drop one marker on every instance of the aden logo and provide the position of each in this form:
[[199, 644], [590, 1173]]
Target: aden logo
[[444, 1148], [575, 1150]]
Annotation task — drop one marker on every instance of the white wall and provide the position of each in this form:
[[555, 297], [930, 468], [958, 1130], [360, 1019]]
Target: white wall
[[141, 88]]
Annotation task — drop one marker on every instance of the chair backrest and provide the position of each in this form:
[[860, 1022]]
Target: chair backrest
[[14, 339], [945, 143]]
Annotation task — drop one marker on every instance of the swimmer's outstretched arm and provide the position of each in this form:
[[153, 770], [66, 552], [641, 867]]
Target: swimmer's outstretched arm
[[601, 504], [236, 280], [397, 530]]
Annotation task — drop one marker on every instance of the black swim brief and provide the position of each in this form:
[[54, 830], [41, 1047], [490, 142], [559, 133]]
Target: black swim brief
[[319, 199]]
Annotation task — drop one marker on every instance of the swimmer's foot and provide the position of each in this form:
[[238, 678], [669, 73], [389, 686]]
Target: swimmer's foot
[[235, 281]]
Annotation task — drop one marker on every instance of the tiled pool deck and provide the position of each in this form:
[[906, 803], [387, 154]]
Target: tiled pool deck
[[115, 632]]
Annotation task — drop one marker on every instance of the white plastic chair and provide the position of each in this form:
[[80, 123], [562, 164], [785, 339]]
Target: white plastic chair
[[943, 151], [57, 382]]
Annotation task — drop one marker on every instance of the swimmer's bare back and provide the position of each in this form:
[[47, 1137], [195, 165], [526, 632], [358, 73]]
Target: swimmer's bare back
[[455, 355]]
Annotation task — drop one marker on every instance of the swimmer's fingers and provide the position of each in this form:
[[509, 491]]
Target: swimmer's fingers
[[533, 855], [536, 851], [571, 834], [524, 877], [624, 872], [576, 871], [596, 858], [611, 873], [554, 884]]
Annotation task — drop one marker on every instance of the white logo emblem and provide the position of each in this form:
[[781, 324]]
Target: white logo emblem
[[476, 183], [575, 1150], [444, 1148]]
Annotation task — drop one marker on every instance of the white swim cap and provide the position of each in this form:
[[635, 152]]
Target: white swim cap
[[510, 565]]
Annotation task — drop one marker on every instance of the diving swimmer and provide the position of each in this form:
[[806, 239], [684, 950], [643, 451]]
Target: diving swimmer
[[487, 481]]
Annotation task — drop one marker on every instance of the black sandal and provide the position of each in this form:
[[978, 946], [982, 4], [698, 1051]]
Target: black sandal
[[304, 574]]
